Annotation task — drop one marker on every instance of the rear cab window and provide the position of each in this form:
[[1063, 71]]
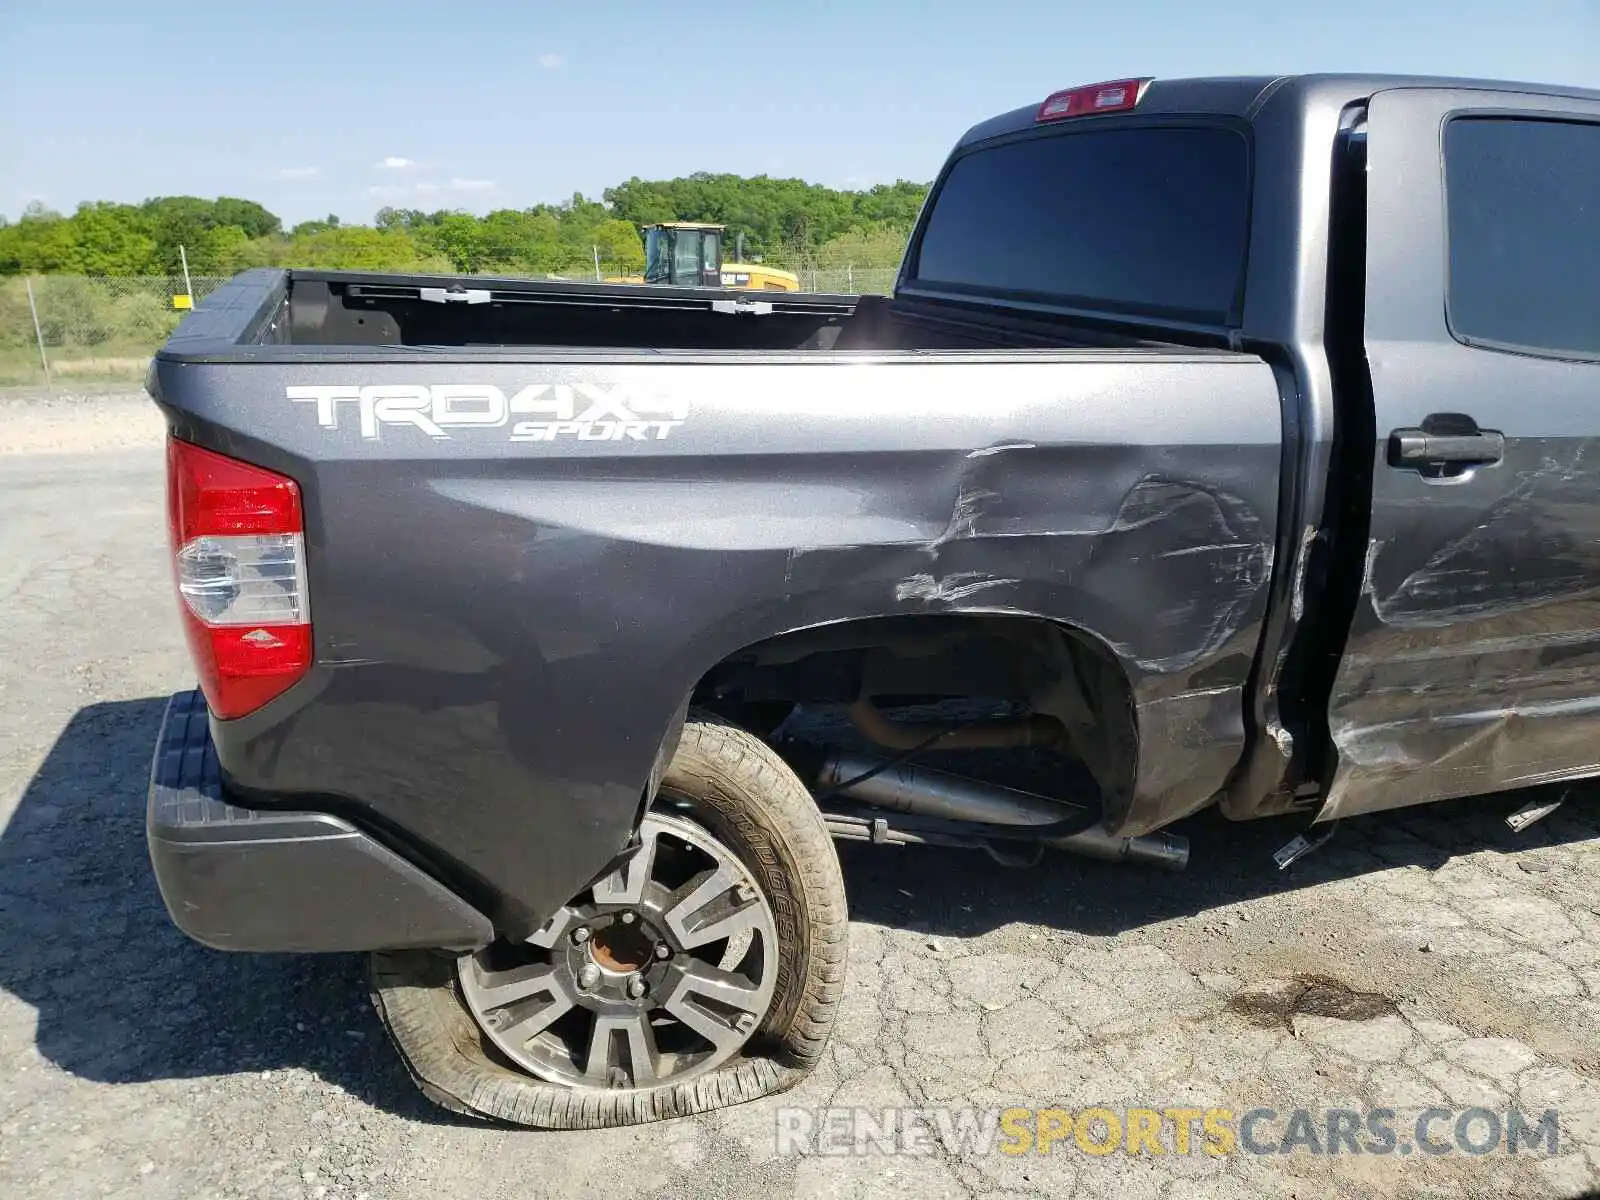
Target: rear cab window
[[1522, 206], [1143, 220]]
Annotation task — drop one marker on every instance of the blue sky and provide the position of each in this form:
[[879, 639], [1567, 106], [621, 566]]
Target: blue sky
[[343, 105]]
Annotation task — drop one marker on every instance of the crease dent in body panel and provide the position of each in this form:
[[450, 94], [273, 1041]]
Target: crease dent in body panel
[[999, 448], [1297, 592], [1462, 579], [1201, 548], [1383, 744], [971, 501], [951, 588], [964, 514], [788, 571], [1200, 552]]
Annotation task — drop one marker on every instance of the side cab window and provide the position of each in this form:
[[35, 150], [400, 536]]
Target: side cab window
[[1522, 202]]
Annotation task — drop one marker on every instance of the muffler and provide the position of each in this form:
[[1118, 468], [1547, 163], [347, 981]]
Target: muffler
[[928, 793]]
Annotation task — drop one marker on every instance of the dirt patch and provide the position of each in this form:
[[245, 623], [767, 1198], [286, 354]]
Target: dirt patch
[[1308, 996]]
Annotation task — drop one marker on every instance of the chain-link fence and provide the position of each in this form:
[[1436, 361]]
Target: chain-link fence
[[850, 280], [91, 328], [98, 328]]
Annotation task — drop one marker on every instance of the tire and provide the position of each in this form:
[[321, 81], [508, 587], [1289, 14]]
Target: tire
[[740, 792]]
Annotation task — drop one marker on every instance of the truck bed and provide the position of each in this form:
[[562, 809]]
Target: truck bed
[[340, 309]]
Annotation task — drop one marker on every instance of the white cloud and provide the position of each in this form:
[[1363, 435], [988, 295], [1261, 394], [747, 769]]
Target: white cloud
[[399, 191], [551, 62], [395, 163], [298, 172]]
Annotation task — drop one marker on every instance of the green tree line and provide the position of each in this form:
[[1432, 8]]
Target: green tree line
[[785, 221]]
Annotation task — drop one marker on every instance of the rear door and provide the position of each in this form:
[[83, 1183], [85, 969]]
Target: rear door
[[1473, 663]]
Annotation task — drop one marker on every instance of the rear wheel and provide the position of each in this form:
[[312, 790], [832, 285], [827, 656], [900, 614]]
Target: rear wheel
[[658, 974], [703, 970]]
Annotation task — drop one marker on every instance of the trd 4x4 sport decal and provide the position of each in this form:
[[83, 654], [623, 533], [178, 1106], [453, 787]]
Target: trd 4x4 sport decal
[[540, 412]]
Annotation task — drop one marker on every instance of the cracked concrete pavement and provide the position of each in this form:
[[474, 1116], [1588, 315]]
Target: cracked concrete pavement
[[1423, 958]]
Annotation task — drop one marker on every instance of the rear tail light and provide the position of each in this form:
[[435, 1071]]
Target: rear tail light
[[1117, 96], [238, 546]]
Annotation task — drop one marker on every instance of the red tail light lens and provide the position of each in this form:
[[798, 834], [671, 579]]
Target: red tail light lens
[[238, 546]]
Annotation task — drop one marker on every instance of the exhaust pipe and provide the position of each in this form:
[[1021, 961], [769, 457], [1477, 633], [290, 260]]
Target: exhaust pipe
[[929, 793], [1036, 730], [1167, 851]]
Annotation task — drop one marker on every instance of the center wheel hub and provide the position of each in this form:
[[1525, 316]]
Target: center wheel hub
[[620, 947]]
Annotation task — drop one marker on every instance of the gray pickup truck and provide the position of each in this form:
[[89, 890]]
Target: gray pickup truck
[[1224, 442]]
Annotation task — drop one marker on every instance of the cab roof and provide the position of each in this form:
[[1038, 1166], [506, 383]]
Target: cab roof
[[1245, 95]]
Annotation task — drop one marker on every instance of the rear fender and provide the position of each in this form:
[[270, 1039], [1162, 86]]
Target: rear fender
[[506, 632]]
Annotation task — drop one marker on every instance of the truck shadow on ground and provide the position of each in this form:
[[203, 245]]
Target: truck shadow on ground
[[964, 892], [122, 997]]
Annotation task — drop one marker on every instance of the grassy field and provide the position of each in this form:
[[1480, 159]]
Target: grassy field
[[73, 365]]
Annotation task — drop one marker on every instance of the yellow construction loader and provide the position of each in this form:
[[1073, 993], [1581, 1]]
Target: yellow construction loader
[[689, 254]]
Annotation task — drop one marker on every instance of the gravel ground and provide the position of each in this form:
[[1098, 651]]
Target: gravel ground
[[40, 421], [1422, 958]]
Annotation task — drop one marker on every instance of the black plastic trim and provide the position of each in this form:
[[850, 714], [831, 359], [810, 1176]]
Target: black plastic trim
[[279, 881]]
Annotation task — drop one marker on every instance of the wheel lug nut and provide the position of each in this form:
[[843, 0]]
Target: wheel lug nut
[[663, 951], [636, 987], [588, 977], [580, 935], [628, 918]]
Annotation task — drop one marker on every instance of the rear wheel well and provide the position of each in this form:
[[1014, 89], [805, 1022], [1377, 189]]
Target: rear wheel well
[[1040, 666]]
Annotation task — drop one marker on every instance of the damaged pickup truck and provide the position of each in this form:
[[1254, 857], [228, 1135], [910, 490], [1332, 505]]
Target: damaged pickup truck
[[1224, 442]]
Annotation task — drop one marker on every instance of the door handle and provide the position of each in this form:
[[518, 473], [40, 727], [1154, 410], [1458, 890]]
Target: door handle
[[1417, 448]]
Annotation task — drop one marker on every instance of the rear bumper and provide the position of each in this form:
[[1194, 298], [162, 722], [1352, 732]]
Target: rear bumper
[[243, 879]]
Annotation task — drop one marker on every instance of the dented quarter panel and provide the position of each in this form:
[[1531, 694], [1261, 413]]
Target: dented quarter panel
[[506, 631]]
